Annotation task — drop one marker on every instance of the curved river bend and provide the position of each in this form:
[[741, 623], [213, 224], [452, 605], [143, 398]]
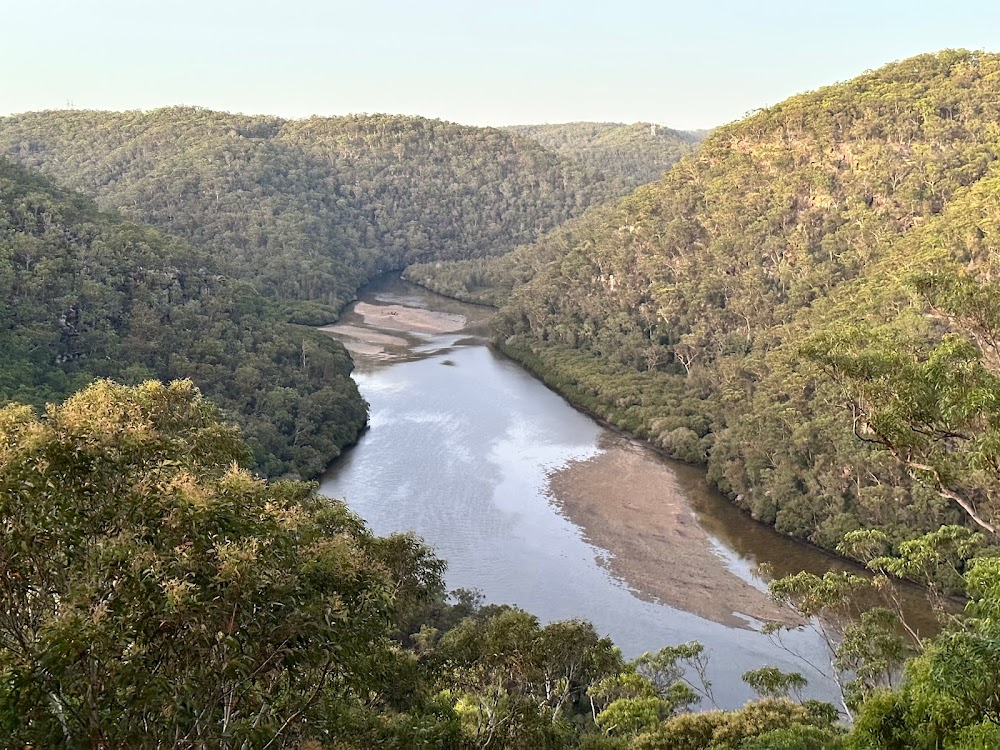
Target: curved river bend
[[537, 505]]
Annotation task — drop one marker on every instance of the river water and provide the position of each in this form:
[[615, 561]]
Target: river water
[[461, 449]]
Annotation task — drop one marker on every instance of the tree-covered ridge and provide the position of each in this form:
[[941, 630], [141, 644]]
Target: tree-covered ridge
[[311, 209], [636, 153], [681, 312], [492, 280], [89, 295]]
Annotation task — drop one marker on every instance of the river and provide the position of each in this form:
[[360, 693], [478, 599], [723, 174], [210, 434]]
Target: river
[[536, 504]]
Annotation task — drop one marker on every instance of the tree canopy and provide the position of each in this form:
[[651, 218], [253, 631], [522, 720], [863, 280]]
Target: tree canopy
[[87, 295]]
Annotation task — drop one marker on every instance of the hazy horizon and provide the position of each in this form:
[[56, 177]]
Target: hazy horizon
[[475, 63]]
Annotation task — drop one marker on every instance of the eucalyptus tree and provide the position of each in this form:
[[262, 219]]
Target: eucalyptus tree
[[153, 593]]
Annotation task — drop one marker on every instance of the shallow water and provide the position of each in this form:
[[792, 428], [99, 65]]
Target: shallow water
[[459, 449]]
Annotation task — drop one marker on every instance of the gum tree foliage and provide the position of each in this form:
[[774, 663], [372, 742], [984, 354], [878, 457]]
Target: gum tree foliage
[[518, 683], [153, 593], [770, 682], [949, 695], [907, 688], [938, 415]]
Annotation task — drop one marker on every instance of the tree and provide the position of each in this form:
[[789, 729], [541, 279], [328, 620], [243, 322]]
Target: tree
[[771, 682], [937, 412], [949, 695], [863, 641], [519, 681], [153, 593], [934, 407]]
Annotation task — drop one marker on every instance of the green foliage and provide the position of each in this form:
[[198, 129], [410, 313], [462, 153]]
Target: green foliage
[[948, 697], [838, 250], [156, 594], [936, 409], [704, 312], [90, 296], [872, 650], [667, 670], [862, 623], [798, 737], [635, 154], [770, 682], [630, 716], [734, 730], [518, 681], [936, 560], [649, 404]]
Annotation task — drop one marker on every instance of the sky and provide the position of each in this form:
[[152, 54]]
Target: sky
[[686, 65]]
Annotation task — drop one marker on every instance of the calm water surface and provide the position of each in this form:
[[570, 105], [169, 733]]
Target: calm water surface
[[459, 448]]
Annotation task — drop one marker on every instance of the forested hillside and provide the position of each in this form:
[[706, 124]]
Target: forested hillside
[[636, 153], [809, 304], [689, 313], [88, 295], [311, 209], [275, 221], [633, 154]]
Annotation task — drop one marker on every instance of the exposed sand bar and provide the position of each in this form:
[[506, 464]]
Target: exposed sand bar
[[412, 319], [629, 503], [372, 337]]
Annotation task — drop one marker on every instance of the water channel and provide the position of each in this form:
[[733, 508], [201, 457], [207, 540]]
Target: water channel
[[536, 504]]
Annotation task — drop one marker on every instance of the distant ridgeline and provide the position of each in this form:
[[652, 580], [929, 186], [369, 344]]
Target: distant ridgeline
[[636, 153], [309, 210], [821, 271], [269, 221]]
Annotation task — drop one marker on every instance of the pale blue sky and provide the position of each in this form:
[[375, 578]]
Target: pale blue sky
[[687, 65]]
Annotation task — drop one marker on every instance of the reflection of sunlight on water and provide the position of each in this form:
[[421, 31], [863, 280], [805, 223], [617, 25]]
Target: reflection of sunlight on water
[[437, 419], [369, 384]]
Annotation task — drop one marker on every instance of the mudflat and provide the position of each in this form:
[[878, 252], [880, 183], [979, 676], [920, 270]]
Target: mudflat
[[372, 335], [629, 503]]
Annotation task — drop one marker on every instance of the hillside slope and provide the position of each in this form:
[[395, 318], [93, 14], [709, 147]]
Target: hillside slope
[[680, 312], [311, 209], [88, 295], [636, 153]]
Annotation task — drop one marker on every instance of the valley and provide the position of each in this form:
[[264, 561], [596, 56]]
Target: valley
[[664, 439]]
